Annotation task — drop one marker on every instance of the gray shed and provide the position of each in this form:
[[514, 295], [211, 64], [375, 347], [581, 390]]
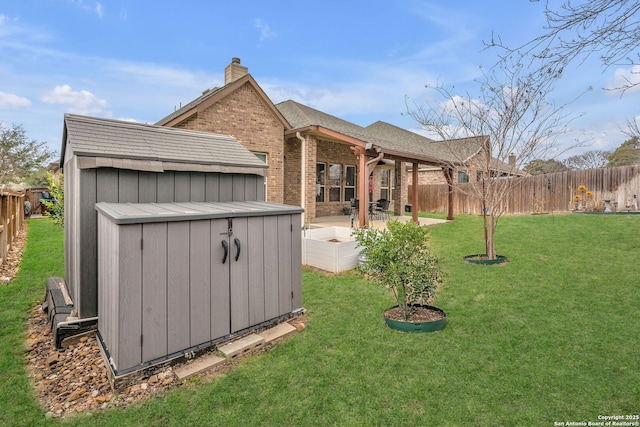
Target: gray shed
[[123, 162], [177, 277]]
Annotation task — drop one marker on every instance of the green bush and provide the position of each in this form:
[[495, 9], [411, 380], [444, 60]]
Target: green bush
[[398, 258], [56, 204]]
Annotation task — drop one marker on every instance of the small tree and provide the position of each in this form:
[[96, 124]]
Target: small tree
[[56, 204], [628, 153], [399, 259], [19, 156], [513, 121], [541, 167]]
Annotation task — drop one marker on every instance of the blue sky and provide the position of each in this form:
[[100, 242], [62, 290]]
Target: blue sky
[[139, 60]]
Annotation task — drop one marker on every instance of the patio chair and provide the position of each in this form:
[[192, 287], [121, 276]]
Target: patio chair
[[354, 205], [382, 208]]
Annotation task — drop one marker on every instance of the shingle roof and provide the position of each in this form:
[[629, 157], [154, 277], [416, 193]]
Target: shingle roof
[[383, 134], [105, 138], [213, 95], [206, 95]]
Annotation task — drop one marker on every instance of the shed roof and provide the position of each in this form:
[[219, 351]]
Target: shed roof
[[129, 145], [137, 213]]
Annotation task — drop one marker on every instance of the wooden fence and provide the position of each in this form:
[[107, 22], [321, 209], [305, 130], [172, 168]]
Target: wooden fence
[[546, 193], [34, 195], [11, 220]]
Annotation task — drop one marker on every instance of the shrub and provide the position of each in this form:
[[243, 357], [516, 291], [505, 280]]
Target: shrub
[[399, 259]]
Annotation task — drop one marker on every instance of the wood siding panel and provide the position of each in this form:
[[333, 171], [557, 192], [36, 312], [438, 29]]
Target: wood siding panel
[[154, 291], [106, 184], [147, 187], [239, 275], [71, 236], [238, 187], [220, 310], [212, 187], [166, 187], [260, 189], [200, 281], [182, 187], [178, 286], [256, 258], [226, 188], [127, 186], [250, 187], [197, 187], [296, 262], [108, 283], [87, 252], [284, 264], [271, 271], [130, 296]]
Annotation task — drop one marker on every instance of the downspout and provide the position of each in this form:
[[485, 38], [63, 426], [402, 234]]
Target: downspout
[[303, 176]]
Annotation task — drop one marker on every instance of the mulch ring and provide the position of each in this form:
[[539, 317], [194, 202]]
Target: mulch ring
[[418, 314]]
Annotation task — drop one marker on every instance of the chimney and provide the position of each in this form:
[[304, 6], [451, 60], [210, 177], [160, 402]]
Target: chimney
[[234, 71], [512, 159]]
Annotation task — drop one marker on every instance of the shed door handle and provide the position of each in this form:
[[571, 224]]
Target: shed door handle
[[236, 242], [225, 246]]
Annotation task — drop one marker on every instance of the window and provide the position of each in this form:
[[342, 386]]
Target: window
[[349, 183], [463, 177], [384, 184], [320, 181], [335, 182]]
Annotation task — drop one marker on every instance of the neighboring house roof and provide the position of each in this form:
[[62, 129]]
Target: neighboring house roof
[[129, 145], [212, 96]]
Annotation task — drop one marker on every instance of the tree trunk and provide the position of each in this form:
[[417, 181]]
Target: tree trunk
[[490, 230]]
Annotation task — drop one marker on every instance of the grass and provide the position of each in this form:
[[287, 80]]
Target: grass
[[549, 337], [42, 258]]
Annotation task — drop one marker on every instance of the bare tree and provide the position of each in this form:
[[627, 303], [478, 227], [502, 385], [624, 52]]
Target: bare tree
[[579, 29], [514, 122], [633, 128], [589, 160]]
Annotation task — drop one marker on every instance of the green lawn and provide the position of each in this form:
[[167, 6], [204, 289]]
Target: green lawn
[[552, 336]]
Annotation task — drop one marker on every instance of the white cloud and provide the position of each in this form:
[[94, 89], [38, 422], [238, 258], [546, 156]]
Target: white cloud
[[625, 77], [10, 100], [265, 30], [79, 102], [99, 9]]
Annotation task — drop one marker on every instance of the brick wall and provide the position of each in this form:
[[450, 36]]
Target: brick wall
[[428, 177], [243, 115], [331, 152]]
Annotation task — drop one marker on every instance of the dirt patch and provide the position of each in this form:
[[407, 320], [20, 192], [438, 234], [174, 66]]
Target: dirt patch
[[11, 265]]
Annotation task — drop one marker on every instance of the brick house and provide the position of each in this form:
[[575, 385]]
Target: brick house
[[315, 159]]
